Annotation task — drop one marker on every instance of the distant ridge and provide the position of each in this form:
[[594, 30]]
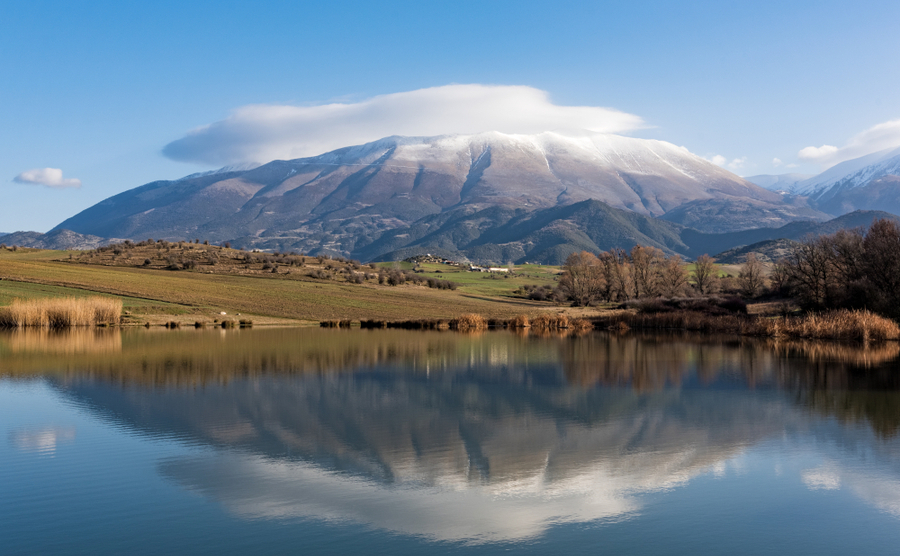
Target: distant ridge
[[57, 239]]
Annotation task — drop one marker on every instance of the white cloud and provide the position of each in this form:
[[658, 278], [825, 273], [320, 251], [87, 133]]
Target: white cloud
[[877, 138], [738, 163], [718, 160], [818, 153], [776, 162], [260, 133], [50, 177]]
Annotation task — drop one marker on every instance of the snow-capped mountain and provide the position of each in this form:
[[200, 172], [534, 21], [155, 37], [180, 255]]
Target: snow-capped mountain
[[347, 198], [850, 174]]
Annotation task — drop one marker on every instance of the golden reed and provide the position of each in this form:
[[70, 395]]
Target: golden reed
[[468, 323], [61, 312], [843, 324]]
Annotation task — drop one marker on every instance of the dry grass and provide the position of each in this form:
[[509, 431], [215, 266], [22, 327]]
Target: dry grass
[[863, 326], [61, 313], [581, 324], [468, 323], [550, 322], [520, 321]]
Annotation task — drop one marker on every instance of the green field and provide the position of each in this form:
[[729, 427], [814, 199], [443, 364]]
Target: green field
[[484, 283]]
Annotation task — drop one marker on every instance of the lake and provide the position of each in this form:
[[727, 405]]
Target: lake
[[314, 441]]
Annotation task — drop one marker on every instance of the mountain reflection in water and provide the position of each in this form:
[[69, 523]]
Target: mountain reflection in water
[[476, 437]]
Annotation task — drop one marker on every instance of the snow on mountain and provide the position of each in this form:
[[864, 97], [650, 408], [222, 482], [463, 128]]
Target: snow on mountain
[[778, 182], [850, 174], [347, 198]]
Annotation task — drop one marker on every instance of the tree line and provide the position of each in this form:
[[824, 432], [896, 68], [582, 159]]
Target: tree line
[[643, 272], [852, 269]]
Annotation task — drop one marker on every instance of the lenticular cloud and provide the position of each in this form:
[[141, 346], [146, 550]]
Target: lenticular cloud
[[260, 133]]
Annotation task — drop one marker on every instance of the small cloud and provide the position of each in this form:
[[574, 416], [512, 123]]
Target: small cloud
[[50, 177], [818, 153], [738, 163], [776, 162], [879, 137], [260, 133], [717, 159]]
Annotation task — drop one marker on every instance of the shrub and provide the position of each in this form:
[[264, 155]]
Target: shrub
[[469, 322], [520, 321]]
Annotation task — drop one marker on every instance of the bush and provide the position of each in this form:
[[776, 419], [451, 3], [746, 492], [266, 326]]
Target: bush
[[469, 322]]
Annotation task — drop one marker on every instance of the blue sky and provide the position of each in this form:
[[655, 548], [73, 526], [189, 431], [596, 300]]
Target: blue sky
[[99, 89]]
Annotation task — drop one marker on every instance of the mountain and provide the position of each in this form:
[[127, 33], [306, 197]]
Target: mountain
[[767, 251], [870, 182], [850, 174], [778, 182], [699, 243], [56, 239], [548, 235], [346, 200]]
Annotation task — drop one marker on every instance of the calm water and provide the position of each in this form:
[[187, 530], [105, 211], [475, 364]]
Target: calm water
[[390, 442]]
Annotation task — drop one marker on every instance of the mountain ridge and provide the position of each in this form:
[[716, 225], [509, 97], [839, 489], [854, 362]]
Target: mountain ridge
[[346, 199]]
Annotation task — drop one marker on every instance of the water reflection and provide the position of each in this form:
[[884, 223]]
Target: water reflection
[[42, 440], [67, 341], [484, 437]]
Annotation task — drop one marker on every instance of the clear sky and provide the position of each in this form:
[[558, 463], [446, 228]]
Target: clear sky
[[93, 92]]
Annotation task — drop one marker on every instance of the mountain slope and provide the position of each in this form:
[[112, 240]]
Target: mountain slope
[[850, 174], [344, 200], [547, 235], [700, 243]]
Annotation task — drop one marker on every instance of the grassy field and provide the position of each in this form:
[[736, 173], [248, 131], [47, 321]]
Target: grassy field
[[154, 294], [484, 283]]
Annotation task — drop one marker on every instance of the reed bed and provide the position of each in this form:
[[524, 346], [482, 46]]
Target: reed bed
[[61, 312], [581, 325], [863, 326], [520, 321], [421, 324], [550, 322], [469, 323]]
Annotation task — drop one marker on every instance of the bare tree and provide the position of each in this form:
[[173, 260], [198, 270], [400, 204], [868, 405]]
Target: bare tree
[[673, 277], [882, 266], [705, 274], [810, 270], [615, 265], [750, 278], [582, 279], [645, 276]]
